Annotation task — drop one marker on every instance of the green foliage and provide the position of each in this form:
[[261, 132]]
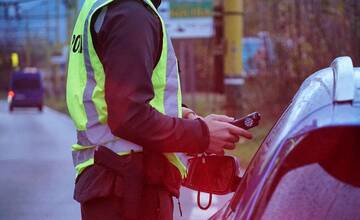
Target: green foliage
[[246, 149], [310, 33], [307, 36], [205, 103]]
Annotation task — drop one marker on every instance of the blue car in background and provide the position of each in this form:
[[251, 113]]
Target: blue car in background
[[26, 89]]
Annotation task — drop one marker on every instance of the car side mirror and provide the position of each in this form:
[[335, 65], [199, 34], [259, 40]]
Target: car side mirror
[[212, 174]]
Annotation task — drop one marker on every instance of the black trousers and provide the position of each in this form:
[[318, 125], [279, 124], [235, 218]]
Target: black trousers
[[122, 193], [156, 205]]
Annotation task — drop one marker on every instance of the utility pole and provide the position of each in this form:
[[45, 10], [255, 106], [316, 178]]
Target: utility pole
[[28, 46], [56, 52], [219, 46], [72, 8], [76, 7], [58, 23], [48, 35], [233, 66], [48, 21]]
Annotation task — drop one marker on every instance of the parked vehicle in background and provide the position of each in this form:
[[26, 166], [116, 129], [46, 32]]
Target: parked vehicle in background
[[308, 165], [26, 89]]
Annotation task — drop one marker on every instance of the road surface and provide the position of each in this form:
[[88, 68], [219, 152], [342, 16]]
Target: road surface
[[36, 180]]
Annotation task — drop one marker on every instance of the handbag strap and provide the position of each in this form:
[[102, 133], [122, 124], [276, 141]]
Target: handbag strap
[[206, 174], [199, 202]]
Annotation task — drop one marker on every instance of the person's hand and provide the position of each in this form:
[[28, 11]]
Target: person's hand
[[223, 135], [188, 113]]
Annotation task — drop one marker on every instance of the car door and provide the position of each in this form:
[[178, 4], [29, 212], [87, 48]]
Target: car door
[[318, 179]]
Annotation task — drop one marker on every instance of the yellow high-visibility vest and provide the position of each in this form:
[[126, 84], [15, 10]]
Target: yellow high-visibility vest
[[85, 92]]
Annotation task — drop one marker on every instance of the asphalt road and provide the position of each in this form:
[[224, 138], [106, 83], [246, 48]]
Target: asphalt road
[[36, 171]]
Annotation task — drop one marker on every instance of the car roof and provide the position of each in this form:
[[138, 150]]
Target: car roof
[[315, 105], [24, 75], [328, 88], [323, 100]]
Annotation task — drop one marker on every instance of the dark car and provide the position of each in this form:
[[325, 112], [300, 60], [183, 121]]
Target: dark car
[[308, 166], [26, 90]]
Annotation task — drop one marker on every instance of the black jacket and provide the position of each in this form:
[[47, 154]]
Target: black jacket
[[129, 47], [128, 43]]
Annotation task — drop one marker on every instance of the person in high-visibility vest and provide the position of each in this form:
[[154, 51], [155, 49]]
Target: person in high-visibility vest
[[123, 94]]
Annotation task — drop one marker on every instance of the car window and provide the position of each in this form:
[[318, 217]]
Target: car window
[[310, 192], [26, 84], [319, 179], [261, 158]]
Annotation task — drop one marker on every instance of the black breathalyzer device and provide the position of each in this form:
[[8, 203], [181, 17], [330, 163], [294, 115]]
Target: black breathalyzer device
[[248, 121]]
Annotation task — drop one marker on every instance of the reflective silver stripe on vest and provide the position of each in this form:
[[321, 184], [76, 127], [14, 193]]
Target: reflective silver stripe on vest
[[172, 82], [171, 104], [116, 146], [96, 133], [100, 20], [101, 131], [183, 158], [82, 156]]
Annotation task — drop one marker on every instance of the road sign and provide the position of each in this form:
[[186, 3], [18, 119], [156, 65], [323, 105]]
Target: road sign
[[188, 18]]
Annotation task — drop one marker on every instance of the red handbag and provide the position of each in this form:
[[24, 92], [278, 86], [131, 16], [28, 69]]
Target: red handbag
[[211, 174]]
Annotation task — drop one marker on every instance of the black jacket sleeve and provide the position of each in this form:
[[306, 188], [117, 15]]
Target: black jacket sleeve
[[129, 46]]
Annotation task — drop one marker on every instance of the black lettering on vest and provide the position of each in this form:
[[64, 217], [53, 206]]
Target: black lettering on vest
[[76, 43]]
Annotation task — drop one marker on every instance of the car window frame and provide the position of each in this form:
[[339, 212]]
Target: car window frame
[[285, 150], [260, 210], [23, 81]]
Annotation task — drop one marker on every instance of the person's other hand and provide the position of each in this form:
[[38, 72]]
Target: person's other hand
[[223, 135], [189, 114]]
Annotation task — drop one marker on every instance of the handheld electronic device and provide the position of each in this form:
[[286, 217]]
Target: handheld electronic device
[[247, 122]]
